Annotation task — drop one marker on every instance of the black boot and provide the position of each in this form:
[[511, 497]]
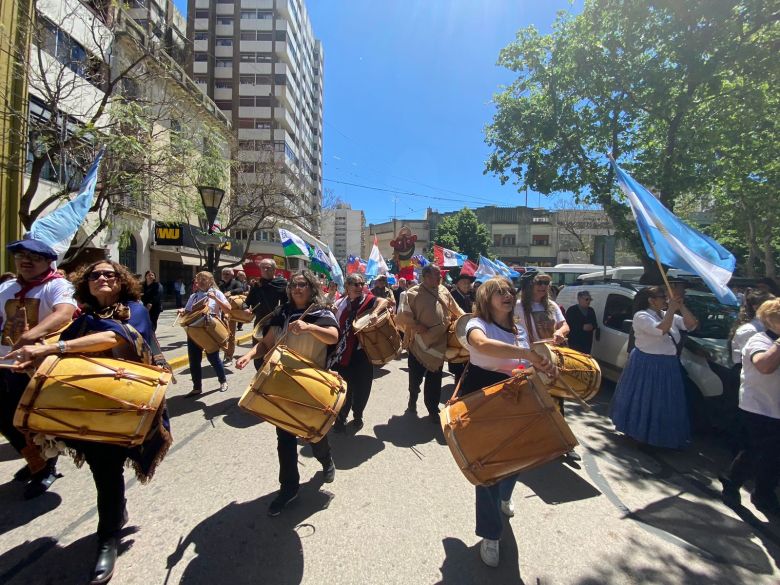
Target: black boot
[[412, 406], [106, 559], [41, 481]]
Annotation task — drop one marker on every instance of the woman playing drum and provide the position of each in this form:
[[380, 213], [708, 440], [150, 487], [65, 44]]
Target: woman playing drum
[[311, 336], [217, 302], [114, 323], [496, 347], [350, 358]]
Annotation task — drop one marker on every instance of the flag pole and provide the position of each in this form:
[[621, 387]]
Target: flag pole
[[652, 248]]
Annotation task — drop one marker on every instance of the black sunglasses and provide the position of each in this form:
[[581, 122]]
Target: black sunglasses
[[96, 274]]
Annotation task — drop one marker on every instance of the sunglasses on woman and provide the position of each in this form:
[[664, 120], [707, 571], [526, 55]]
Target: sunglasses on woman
[[299, 285], [96, 274]]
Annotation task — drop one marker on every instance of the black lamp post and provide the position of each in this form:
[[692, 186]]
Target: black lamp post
[[212, 199]]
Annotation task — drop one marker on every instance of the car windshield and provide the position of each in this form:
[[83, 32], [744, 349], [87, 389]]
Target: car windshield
[[715, 318]]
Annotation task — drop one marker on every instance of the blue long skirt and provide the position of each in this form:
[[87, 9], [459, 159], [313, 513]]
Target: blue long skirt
[[649, 402]]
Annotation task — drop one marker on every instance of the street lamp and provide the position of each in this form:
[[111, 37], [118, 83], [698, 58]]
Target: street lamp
[[212, 199]]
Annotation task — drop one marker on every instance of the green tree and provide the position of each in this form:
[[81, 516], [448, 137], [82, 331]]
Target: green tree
[[463, 233], [636, 78]]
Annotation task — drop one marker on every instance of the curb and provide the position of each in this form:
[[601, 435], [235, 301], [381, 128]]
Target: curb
[[182, 360]]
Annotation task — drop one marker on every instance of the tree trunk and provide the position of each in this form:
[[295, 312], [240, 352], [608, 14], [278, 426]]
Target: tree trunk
[[752, 248], [769, 255]]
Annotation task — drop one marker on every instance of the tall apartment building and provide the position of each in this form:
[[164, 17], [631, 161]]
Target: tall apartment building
[[343, 229], [261, 64]]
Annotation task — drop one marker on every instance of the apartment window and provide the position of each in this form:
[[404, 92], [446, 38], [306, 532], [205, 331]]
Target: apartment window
[[263, 58], [263, 101], [281, 35], [265, 14], [508, 240], [496, 240], [247, 57], [224, 104], [280, 79], [262, 80], [227, 21], [224, 1], [247, 102], [264, 36], [200, 80], [540, 240], [201, 14], [69, 52], [279, 146], [224, 62], [248, 14], [246, 123], [247, 80], [248, 35], [201, 36], [263, 124], [246, 144], [224, 42], [201, 57], [223, 84]]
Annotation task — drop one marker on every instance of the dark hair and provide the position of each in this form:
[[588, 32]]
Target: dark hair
[[130, 291], [771, 285], [148, 272], [6, 276], [527, 294], [314, 285], [642, 298], [753, 300]]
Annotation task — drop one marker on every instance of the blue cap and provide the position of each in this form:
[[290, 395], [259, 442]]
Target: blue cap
[[34, 246]]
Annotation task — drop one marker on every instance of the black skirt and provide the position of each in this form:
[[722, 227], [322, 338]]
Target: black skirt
[[476, 378]]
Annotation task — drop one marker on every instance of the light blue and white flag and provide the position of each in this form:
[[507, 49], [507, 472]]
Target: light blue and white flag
[[487, 269], [677, 244], [58, 228], [376, 263], [336, 274], [509, 272]]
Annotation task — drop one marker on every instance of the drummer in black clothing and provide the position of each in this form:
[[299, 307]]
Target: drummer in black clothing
[[230, 286], [464, 296], [266, 294]]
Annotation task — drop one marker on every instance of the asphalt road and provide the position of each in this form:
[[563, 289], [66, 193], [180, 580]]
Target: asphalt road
[[399, 510]]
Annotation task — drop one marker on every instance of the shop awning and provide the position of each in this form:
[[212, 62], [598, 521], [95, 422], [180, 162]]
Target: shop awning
[[190, 260]]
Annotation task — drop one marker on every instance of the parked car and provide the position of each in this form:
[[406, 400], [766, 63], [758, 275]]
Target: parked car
[[705, 355]]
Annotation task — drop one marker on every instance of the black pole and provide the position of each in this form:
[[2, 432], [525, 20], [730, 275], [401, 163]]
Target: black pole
[[210, 257]]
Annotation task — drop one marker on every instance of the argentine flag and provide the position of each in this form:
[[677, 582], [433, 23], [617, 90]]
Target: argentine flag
[[677, 244], [58, 228], [376, 263], [487, 269]]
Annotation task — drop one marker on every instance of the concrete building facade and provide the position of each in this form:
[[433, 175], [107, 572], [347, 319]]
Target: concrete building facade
[[261, 64], [343, 229]]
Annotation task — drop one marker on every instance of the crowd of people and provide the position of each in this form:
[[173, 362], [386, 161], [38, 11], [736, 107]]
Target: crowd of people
[[103, 310]]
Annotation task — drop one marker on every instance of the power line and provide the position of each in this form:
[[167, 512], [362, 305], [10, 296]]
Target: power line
[[412, 194]]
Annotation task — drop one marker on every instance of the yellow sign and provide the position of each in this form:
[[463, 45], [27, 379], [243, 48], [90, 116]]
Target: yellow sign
[[168, 233]]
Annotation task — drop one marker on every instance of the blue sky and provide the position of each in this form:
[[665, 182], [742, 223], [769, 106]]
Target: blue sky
[[408, 88]]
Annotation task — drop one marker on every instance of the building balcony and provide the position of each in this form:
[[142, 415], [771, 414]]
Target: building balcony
[[255, 68], [223, 52], [255, 46], [254, 134], [222, 30], [225, 9], [201, 24], [247, 112]]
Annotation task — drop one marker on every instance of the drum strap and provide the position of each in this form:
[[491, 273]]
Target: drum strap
[[454, 396]]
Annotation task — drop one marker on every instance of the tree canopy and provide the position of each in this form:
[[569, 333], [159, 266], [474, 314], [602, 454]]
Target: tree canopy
[[463, 233], [660, 84]]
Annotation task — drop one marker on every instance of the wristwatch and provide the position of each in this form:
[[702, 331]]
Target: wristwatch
[[61, 346]]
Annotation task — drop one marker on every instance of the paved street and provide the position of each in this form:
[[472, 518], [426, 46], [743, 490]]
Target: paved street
[[399, 510]]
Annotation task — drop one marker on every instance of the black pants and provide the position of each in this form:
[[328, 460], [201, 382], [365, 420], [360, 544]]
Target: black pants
[[432, 388], [107, 465], [359, 376], [456, 370], [287, 448], [154, 314], [12, 387], [761, 459]]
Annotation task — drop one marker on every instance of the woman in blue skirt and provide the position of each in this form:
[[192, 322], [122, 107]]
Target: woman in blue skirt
[[649, 403]]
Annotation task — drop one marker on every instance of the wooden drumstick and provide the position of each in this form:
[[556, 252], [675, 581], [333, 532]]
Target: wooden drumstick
[[576, 396], [176, 320]]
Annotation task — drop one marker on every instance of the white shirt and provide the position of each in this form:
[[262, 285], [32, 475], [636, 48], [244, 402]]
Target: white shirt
[[541, 325], [39, 302], [758, 393], [493, 331], [741, 336], [650, 339], [214, 307]]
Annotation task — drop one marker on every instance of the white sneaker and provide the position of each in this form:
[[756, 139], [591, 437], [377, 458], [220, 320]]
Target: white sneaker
[[508, 507], [488, 550], [223, 387], [227, 361]]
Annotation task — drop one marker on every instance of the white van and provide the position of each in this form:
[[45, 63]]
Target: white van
[[565, 274]]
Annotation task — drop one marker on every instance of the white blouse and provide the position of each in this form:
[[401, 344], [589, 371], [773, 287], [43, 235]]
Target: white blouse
[[650, 339]]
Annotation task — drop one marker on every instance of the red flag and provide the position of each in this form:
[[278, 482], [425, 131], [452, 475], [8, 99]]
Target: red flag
[[468, 268]]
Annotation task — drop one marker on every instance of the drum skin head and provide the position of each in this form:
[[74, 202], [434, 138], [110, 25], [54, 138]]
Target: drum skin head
[[580, 371]]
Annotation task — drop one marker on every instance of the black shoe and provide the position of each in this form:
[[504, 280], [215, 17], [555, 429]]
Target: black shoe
[[24, 474], [339, 427], [357, 424], [275, 508], [768, 505], [104, 567], [730, 495], [573, 456], [40, 483], [329, 472]]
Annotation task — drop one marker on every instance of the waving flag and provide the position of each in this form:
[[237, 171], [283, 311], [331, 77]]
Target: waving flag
[[676, 244], [58, 228], [293, 245], [487, 268], [376, 263], [447, 258], [509, 272], [420, 260], [469, 268], [335, 271], [319, 261], [356, 264]]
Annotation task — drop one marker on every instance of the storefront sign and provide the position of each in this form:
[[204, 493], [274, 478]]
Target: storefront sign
[[168, 234]]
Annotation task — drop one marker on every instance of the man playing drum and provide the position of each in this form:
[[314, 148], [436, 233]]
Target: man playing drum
[[34, 304], [266, 294], [428, 310], [350, 358], [230, 286], [311, 336], [462, 294]]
